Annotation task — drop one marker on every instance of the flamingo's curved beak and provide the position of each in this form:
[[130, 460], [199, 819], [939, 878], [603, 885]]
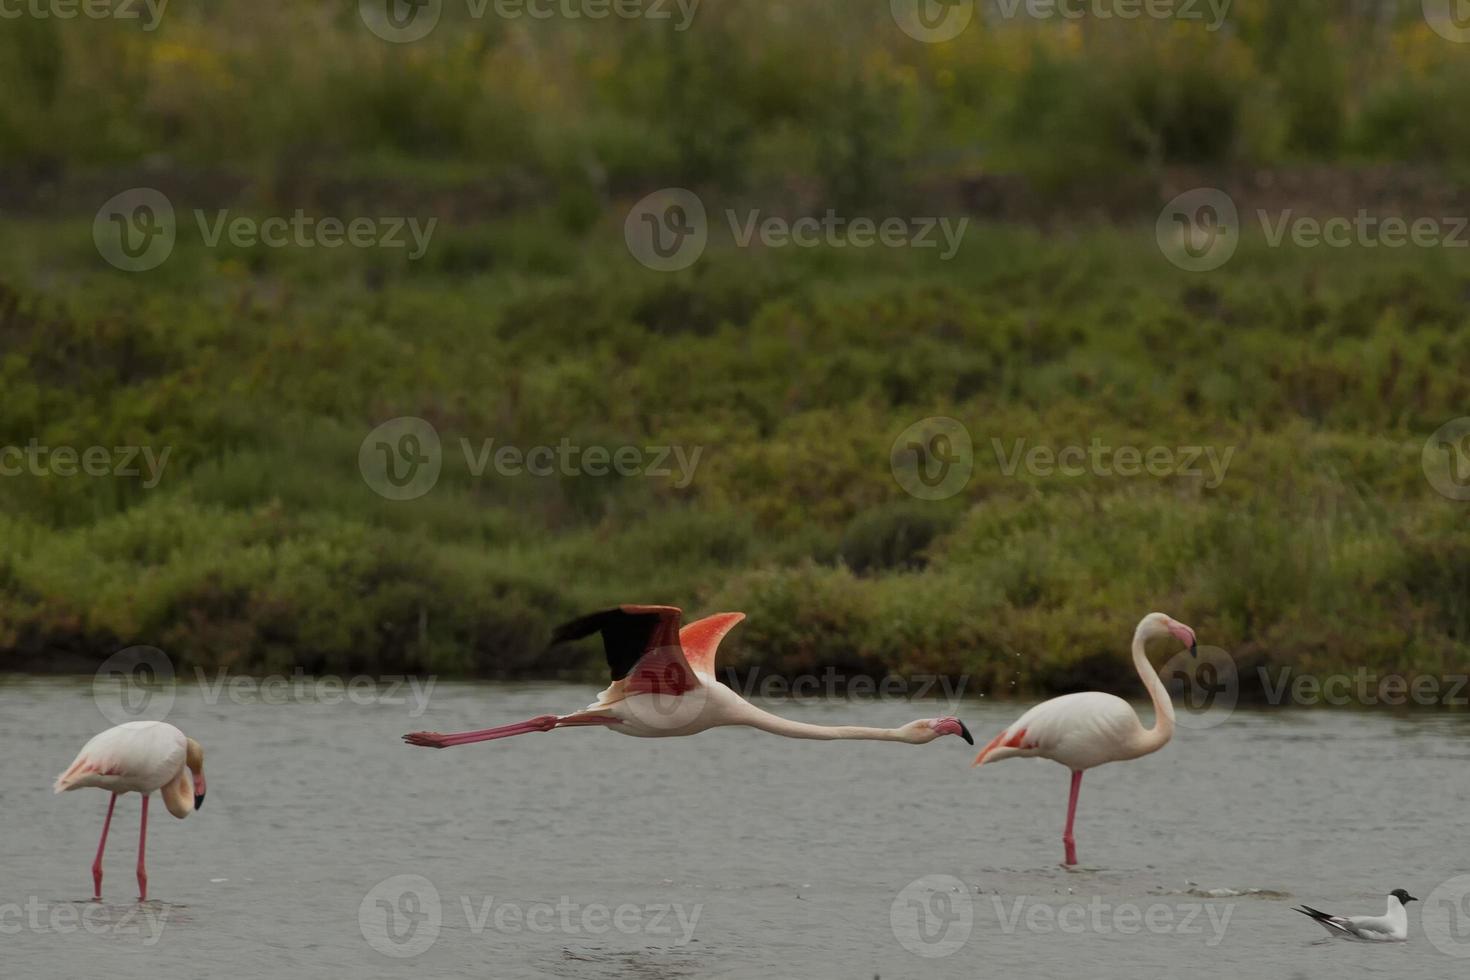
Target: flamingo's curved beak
[[199, 791], [1184, 635], [953, 726]]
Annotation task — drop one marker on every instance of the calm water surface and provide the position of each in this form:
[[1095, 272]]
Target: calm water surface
[[327, 848]]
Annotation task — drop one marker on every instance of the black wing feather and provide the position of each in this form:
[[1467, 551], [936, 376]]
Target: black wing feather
[[627, 634]]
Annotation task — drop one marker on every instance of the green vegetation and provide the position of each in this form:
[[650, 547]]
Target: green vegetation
[[1318, 373], [827, 95], [263, 546]]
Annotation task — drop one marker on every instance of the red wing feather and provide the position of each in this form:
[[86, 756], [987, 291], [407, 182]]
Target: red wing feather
[[700, 639]]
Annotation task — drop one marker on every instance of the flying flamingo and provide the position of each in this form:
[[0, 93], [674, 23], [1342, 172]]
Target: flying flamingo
[[663, 684], [139, 757], [1089, 729]]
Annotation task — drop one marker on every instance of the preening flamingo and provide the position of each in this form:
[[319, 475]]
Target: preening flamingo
[[139, 757], [663, 684], [1390, 927], [1085, 730]]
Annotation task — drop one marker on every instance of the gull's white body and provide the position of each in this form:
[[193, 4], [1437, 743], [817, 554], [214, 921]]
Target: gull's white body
[[1390, 927]]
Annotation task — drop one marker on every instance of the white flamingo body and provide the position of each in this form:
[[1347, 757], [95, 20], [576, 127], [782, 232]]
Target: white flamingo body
[[141, 757], [135, 757], [1081, 731], [664, 686], [1090, 729]]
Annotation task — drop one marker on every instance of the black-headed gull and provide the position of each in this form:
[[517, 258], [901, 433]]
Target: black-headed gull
[[1390, 927]]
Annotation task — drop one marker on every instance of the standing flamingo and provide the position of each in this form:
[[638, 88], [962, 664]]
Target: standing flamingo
[[663, 684], [1089, 729], [139, 757]]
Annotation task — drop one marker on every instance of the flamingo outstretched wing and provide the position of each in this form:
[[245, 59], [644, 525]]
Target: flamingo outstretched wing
[[642, 646], [701, 638]]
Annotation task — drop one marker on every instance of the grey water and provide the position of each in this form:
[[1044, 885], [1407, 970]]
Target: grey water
[[326, 847]]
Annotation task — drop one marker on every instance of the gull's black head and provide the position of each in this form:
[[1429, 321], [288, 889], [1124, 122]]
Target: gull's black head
[[1404, 897]]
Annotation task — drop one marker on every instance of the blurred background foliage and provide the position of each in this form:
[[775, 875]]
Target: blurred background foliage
[[749, 95], [793, 370]]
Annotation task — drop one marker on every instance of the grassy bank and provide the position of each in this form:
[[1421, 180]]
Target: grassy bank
[[1318, 374]]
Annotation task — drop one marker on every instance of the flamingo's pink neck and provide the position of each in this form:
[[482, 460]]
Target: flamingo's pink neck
[[776, 725], [1157, 737]]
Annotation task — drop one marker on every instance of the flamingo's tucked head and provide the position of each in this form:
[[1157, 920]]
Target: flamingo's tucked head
[[194, 760], [928, 729], [1158, 624]]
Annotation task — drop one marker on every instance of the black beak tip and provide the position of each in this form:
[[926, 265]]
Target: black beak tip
[[965, 732], [198, 801], [1194, 649]]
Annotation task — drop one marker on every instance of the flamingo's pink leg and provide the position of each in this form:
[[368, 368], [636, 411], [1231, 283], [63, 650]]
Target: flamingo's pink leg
[[1067, 838], [541, 723], [142, 842], [97, 864]]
